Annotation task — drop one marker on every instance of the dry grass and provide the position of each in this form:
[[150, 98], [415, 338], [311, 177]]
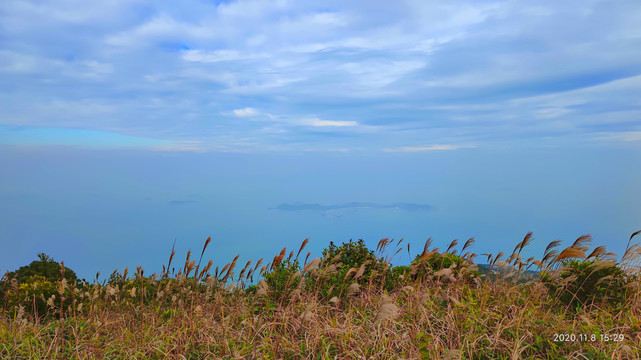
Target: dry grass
[[443, 315]]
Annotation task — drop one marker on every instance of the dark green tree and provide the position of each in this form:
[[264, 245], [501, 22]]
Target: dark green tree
[[31, 285], [47, 267]]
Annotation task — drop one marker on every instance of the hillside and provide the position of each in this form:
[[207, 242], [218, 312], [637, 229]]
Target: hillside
[[349, 303]]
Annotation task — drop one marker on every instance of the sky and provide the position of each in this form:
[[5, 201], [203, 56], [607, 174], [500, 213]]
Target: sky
[[126, 125]]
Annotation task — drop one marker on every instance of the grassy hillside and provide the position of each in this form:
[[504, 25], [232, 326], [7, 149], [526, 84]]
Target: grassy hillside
[[573, 303]]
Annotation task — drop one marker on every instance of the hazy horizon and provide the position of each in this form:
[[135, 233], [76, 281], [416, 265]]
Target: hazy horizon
[[128, 124], [99, 210]]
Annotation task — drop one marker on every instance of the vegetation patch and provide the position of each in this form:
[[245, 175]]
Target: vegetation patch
[[351, 302]]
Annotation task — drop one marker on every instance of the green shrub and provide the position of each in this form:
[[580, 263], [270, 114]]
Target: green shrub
[[40, 297], [251, 289], [350, 255], [34, 290], [435, 262], [397, 276], [46, 267], [582, 283], [353, 255], [424, 267], [31, 286], [281, 279]]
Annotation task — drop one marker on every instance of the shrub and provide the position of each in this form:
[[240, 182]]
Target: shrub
[[582, 283], [423, 266], [46, 267], [35, 284], [346, 260], [281, 279], [353, 255], [396, 276], [33, 293]]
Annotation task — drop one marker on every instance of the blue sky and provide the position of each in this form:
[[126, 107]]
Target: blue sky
[[126, 124]]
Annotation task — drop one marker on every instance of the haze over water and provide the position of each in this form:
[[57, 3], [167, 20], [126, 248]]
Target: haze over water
[[101, 210], [128, 125]]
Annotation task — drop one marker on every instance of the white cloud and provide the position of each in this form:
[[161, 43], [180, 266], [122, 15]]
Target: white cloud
[[427, 148], [182, 146], [379, 73], [12, 62], [160, 29], [210, 56], [341, 150], [309, 23], [550, 113], [323, 123], [219, 55], [462, 72], [626, 136], [245, 112], [632, 136]]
